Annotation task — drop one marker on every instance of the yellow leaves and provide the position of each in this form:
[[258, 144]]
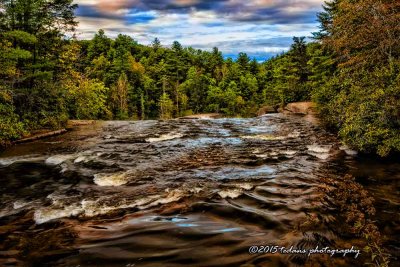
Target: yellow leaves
[[240, 101], [136, 67], [9, 70], [122, 93], [70, 53], [365, 32], [5, 96], [67, 60]]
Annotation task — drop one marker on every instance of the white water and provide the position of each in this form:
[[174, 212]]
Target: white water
[[115, 179], [165, 137]]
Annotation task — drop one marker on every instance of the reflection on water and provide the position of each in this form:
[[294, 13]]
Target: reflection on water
[[183, 192]]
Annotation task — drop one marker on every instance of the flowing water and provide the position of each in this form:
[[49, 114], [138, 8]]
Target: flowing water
[[185, 193]]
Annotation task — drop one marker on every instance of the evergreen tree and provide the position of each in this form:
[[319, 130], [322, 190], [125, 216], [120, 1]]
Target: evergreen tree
[[156, 44], [243, 60], [325, 19], [99, 46]]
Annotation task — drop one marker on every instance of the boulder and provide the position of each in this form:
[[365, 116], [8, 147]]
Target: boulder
[[305, 108], [266, 110]]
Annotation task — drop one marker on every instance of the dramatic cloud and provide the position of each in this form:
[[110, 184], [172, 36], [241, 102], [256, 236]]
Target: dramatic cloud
[[260, 28]]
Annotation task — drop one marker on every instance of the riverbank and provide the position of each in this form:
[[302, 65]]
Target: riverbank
[[46, 133]]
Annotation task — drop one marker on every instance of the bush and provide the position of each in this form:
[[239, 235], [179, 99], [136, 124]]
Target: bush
[[10, 126], [42, 107], [87, 100]]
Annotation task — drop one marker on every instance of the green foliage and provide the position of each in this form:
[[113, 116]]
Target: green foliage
[[19, 36], [99, 46], [11, 127], [42, 106], [364, 107], [362, 99], [166, 107], [325, 19], [87, 100], [31, 35], [119, 97]]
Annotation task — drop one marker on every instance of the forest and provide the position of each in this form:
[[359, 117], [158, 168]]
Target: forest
[[350, 68]]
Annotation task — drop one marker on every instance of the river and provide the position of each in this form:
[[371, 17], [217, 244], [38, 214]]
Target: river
[[187, 193]]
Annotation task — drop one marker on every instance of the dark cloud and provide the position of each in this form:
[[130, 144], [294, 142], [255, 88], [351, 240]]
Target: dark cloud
[[176, 6], [90, 11], [279, 11], [132, 17], [203, 5], [276, 15]]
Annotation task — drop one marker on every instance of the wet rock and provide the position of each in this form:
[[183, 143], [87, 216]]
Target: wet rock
[[203, 116], [73, 123], [133, 187]]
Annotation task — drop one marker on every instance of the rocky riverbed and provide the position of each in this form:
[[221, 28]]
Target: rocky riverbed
[[195, 192]]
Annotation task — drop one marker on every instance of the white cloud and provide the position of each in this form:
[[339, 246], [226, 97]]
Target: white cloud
[[275, 49], [199, 28]]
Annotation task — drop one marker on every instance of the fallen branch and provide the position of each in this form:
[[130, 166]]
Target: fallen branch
[[39, 136]]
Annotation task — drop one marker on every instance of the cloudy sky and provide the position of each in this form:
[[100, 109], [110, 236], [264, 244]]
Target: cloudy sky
[[261, 28]]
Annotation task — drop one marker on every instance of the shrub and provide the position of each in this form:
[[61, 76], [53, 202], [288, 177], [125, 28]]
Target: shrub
[[10, 126]]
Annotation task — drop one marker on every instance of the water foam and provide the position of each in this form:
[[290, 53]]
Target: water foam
[[245, 186], [80, 159], [322, 156], [348, 151], [11, 160], [18, 204], [47, 214], [270, 137], [230, 193], [58, 159], [319, 148], [115, 179], [164, 137], [90, 208], [265, 137]]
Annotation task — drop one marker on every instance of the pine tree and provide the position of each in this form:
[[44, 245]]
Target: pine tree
[[156, 44], [326, 18]]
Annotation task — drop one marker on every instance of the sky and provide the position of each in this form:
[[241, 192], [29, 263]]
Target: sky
[[260, 28]]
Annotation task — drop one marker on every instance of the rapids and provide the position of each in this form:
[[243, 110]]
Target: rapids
[[184, 193]]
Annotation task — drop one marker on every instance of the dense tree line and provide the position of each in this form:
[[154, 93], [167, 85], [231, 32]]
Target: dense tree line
[[362, 99], [351, 70]]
